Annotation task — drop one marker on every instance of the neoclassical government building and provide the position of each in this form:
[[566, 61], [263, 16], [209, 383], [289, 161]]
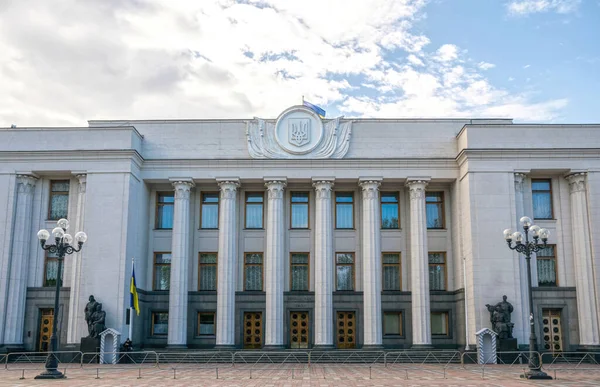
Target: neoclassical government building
[[301, 232]]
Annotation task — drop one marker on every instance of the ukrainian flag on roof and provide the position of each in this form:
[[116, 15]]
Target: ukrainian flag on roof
[[314, 108]]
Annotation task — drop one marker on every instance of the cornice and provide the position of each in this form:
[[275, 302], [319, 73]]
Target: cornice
[[72, 155], [527, 153]]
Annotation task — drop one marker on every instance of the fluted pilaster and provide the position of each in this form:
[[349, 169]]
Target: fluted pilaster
[[522, 330], [371, 255], [180, 246], [226, 277], [421, 319]]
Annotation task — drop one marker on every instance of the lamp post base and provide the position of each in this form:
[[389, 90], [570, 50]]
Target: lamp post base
[[51, 374], [536, 374]]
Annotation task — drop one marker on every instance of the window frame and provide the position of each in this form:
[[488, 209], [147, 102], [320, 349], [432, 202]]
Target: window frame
[[445, 265], [216, 265], [443, 209], [381, 203], [159, 204], [154, 264], [217, 204], [155, 312], [46, 259], [307, 211], [441, 312], [353, 264], [262, 219], [399, 264], [307, 271], [400, 318], [51, 194], [549, 191], [262, 271], [200, 313], [555, 258], [336, 210]]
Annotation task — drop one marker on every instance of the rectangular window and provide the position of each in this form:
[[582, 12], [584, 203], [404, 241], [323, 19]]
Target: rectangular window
[[59, 199], [253, 271], [439, 323], [546, 266], [299, 271], [435, 209], [162, 271], [51, 271], [541, 192], [209, 215], [160, 323], [392, 272], [344, 210], [344, 269], [207, 271], [164, 210], [437, 271], [254, 209], [299, 210], [392, 323], [390, 210], [206, 324]]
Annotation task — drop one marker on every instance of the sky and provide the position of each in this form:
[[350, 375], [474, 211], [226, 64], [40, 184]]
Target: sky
[[65, 62]]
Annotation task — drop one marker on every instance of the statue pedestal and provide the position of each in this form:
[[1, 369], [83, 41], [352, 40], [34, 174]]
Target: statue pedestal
[[505, 345], [90, 347]]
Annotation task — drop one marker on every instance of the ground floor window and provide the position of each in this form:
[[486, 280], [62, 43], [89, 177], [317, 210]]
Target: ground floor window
[[206, 323], [439, 323], [160, 323], [392, 323]]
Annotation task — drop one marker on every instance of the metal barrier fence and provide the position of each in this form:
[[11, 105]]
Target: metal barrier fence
[[354, 358], [512, 362], [444, 358], [17, 361]]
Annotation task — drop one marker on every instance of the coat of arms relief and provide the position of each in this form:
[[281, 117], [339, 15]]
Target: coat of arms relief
[[298, 133]]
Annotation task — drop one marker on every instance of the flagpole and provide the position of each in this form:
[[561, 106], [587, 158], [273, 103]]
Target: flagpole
[[131, 306]]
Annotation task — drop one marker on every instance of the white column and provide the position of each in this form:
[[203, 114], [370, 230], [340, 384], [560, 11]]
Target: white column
[[226, 277], [19, 261], [76, 323], [582, 256], [180, 248], [523, 329], [371, 255], [323, 263], [421, 323], [274, 274]]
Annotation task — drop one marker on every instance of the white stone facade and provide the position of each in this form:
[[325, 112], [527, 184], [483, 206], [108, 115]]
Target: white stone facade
[[485, 171]]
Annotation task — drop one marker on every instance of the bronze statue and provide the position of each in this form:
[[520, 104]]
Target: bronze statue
[[500, 318], [98, 319], [90, 308]]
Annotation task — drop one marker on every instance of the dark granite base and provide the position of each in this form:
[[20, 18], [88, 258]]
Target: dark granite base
[[91, 349]]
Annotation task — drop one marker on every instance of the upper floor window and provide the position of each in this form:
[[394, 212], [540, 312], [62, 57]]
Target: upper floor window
[[160, 323], [546, 266], [439, 323], [299, 210], [541, 192], [435, 209], [390, 213], [254, 209], [162, 271], [207, 271], [164, 210], [206, 324], [391, 271], [392, 324], [59, 199], [344, 210], [437, 271], [209, 215], [253, 271], [299, 271], [51, 270], [344, 269]]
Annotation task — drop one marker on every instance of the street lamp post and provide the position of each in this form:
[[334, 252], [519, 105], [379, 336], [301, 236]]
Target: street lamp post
[[535, 371], [61, 248]]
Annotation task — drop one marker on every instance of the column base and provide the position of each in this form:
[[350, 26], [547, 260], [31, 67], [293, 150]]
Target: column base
[[225, 347], [372, 347], [422, 346], [536, 374], [274, 347], [176, 346], [323, 347]]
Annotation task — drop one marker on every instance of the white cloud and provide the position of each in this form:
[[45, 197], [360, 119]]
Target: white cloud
[[526, 7], [67, 61], [526, 66], [485, 65]]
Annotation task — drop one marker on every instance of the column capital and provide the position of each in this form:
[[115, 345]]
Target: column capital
[[275, 188], [417, 185], [519, 181], [82, 178], [26, 183], [228, 187], [323, 187], [577, 181], [182, 187], [370, 187]]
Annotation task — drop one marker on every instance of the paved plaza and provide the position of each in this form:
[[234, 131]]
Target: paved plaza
[[316, 375]]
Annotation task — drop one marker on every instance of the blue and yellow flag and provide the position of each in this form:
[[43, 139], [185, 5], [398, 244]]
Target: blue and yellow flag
[[134, 302], [314, 108]]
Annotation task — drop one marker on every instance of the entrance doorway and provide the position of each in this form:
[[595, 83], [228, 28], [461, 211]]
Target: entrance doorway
[[552, 332], [299, 330], [346, 330], [46, 323], [253, 329]]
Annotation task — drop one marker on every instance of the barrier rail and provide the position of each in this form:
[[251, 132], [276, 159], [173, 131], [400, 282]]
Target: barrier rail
[[506, 361], [137, 359], [444, 358], [271, 362], [204, 359], [18, 361], [570, 361], [356, 358]]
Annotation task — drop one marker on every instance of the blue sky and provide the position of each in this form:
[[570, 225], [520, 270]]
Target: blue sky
[[68, 61]]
